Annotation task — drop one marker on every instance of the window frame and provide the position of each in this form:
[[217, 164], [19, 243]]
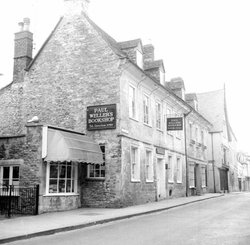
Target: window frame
[[203, 177], [178, 170], [191, 166], [146, 98], [158, 115], [102, 166], [133, 102], [149, 167], [135, 165], [170, 169], [74, 180], [11, 179]]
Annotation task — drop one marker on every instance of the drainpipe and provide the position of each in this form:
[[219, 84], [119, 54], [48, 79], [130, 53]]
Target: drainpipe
[[186, 157], [212, 142]]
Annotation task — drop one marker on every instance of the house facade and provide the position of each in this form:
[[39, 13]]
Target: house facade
[[223, 167], [86, 120]]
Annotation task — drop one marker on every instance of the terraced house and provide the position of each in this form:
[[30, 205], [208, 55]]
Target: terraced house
[[86, 119]]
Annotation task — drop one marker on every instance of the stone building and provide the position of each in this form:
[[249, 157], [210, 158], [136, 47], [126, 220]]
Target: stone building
[[197, 142], [223, 167], [86, 120]]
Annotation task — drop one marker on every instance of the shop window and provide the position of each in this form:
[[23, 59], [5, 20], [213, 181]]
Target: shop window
[[135, 164], [61, 177], [149, 167], [97, 170]]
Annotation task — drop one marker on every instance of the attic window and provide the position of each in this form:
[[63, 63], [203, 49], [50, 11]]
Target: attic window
[[139, 59], [162, 77]]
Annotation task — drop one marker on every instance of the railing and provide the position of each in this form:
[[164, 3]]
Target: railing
[[19, 200]]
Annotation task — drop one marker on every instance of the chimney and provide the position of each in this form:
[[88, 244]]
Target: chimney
[[148, 53], [177, 86], [191, 99], [75, 7], [23, 50]]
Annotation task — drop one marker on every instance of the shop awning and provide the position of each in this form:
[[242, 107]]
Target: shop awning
[[65, 145]]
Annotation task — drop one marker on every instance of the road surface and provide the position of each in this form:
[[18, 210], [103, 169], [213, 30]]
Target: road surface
[[223, 220]]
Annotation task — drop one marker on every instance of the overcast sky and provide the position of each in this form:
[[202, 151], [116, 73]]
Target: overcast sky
[[206, 42]]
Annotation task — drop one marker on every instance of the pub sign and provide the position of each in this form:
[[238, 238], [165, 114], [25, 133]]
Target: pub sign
[[174, 123], [101, 117]]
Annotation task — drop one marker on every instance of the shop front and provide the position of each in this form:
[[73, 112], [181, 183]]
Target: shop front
[[63, 152]]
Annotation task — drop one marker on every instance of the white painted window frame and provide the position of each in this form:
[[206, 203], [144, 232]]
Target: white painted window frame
[[149, 167], [135, 164]]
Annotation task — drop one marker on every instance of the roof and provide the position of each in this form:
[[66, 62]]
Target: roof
[[211, 105], [129, 44], [153, 64], [177, 84]]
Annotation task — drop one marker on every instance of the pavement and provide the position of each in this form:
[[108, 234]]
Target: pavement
[[25, 227]]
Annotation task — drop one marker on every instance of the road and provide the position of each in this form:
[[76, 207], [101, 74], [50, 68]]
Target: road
[[223, 220]]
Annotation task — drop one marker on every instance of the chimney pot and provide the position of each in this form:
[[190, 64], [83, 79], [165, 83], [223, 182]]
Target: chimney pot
[[20, 24], [26, 22]]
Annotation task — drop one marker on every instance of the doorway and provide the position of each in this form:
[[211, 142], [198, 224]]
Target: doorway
[[161, 178]]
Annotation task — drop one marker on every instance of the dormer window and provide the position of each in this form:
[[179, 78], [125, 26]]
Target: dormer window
[[162, 77], [139, 59]]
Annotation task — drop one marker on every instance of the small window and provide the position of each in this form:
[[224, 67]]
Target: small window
[[149, 166], [135, 164], [97, 170], [132, 102], [139, 59], [162, 77]]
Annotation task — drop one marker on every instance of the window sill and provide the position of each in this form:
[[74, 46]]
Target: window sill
[[160, 130], [149, 181], [95, 179], [171, 181], [135, 181], [147, 125], [179, 182], [60, 194], [134, 119]]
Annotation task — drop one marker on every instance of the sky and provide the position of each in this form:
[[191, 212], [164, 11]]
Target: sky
[[206, 42]]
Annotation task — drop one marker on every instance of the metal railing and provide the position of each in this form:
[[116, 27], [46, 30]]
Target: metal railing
[[15, 200]]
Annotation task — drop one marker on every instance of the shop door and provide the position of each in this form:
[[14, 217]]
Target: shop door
[[223, 180], [161, 181]]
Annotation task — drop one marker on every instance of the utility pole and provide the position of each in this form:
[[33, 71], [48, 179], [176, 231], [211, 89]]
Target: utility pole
[[186, 156]]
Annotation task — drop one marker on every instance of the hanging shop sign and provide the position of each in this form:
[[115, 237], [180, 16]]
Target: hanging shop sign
[[101, 117], [160, 150], [174, 123]]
